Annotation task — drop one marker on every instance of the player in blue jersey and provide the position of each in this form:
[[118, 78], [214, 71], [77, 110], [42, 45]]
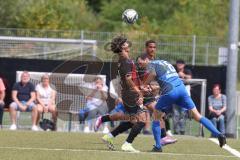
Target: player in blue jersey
[[149, 96], [173, 91]]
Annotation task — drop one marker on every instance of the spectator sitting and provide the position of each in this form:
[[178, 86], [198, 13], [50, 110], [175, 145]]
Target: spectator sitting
[[2, 96], [96, 104], [46, 99], [23, 96], [217, 107]]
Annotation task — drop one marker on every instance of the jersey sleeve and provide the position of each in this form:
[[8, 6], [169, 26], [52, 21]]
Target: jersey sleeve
[[15, 87], [224, 100], [209, 101], [32, 87]]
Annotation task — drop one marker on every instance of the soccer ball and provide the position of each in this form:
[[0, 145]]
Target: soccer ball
[[130, 16]]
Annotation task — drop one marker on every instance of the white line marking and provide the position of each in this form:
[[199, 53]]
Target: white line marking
[[107, 151], [227, 147]]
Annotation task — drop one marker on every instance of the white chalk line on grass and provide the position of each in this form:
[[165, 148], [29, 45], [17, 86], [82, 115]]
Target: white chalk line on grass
[[227, 147], [107, 151]]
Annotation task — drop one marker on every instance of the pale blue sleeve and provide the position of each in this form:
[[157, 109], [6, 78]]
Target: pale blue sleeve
[[210, 101], [151, 68], [224, 99]]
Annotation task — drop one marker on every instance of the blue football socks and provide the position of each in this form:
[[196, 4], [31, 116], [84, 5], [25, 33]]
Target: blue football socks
[[156, 133], [208, 124]]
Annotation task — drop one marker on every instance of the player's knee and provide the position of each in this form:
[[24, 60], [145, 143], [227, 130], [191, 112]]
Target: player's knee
[[158, 115], [139, 126], [117, 116], [196, 115]]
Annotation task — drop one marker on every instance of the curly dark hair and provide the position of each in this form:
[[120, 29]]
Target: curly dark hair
[[117, 42]]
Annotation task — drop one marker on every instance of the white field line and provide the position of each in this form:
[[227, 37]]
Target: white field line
[[106, 151], [227, 147]]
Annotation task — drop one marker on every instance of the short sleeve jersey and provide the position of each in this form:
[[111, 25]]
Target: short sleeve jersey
[[127, 67], [23, 91], [129, 96], [166, 75]]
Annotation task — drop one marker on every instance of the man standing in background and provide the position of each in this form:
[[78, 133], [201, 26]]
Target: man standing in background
[[180, 114]]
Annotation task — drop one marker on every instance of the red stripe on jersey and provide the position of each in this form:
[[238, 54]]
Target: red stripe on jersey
[[135, 76]]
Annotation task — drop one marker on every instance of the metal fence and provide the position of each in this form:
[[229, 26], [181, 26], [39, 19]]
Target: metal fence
[[44, 44]]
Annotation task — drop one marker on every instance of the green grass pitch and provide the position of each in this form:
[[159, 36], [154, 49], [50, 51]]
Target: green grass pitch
[[28, 145]]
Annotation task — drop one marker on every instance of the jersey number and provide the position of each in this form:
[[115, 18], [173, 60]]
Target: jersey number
[[169, 68]]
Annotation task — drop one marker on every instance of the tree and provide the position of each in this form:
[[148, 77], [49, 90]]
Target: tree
[[205, 17], [54, 14], [8, 12], [96, 4]]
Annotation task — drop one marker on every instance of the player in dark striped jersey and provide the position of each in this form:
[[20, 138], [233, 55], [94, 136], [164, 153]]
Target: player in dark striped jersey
[[135, 114]]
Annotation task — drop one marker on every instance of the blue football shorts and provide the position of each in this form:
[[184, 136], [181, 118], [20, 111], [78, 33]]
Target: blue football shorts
[[178, 96]]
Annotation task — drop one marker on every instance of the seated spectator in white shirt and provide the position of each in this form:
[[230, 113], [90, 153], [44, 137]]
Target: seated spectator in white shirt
[[96, 103], [46, 96]]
